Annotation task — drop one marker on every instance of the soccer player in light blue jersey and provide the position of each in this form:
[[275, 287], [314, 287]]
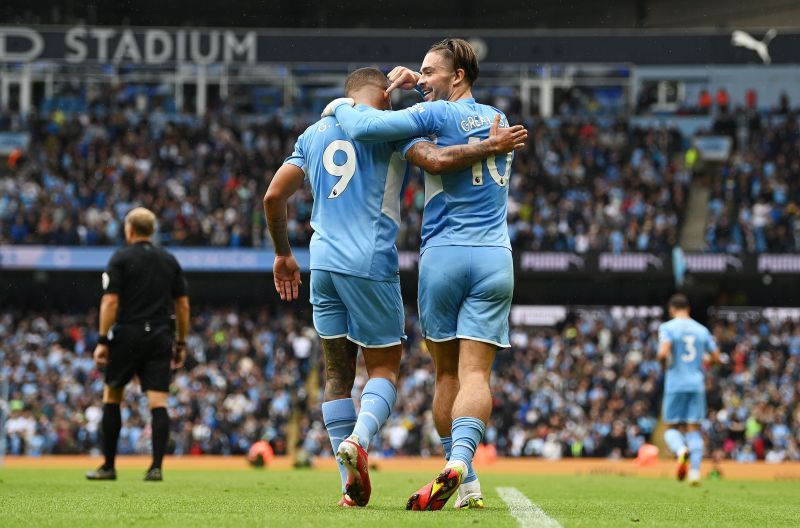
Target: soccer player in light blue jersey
[[683, 347], [466, 275], [355, 289]]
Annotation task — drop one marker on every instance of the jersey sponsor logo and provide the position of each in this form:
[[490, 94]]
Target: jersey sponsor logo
[[417, 108]]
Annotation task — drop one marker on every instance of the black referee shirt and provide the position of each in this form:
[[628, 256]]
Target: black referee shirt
[[147, 280]]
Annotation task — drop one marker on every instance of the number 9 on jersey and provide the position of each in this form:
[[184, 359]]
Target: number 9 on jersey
[[344, 171]]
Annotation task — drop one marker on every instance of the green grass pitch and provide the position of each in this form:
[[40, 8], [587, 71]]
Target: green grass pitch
[[61, 497]]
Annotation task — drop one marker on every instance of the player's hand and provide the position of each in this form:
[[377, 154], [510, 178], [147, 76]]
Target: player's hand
[[503, 140], [178, 355], [286, 273], [101, 356], [402, 77], [330, 109]]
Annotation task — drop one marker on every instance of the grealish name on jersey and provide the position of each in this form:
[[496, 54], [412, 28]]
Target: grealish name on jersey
[[476, 121], [469, 207]]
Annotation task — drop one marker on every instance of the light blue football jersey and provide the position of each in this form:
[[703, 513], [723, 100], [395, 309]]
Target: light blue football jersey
[[690, 342], [356, 188], [464, 208]]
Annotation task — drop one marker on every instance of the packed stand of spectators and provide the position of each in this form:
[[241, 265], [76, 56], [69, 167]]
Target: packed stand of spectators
[[244, 378], [203, 177], [589, 387], [592, 387], [584, 184], [755, 202], [754, 406]]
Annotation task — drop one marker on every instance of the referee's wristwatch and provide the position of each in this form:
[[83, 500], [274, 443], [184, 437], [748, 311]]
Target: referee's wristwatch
[[103, 340]]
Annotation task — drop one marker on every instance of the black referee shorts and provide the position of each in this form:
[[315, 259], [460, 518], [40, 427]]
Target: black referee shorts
[[144, 351]]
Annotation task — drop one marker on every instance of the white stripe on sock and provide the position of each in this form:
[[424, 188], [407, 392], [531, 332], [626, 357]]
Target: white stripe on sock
[[370, 415], [468, 446], [348, 424], [524, 511]]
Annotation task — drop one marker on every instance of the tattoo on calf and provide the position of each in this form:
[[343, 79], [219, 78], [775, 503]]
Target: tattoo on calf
[[340, 367]]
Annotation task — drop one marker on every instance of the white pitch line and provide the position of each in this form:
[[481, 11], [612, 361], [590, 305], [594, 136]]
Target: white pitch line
[[524, 511]]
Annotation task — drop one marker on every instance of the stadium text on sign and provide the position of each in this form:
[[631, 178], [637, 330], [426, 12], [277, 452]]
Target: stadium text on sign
[[152, 46]]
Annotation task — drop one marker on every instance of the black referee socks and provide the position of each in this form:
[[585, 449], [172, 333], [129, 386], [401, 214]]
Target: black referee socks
[[112, 423], [160, 427]]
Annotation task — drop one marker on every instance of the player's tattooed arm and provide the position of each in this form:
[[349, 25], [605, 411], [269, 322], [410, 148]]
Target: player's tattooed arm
[[340, 367], [285, 270], [285, 183], [438, 160]]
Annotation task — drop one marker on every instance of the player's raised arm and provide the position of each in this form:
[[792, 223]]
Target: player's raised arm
[[286, 271], [438, 160], [402, 77]]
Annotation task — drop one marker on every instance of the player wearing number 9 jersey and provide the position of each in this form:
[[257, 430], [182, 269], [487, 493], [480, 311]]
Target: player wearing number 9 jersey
[[355, 289], [683, 346], [466, 271]]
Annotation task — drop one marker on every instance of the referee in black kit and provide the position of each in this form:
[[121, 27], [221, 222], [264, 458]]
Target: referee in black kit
[[138, 336]]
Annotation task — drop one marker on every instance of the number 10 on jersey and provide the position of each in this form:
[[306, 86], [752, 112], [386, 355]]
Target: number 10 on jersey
[[491, 164]]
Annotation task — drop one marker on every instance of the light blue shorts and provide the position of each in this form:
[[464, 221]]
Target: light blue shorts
[[684, 407], [367, 312], [465, 293]]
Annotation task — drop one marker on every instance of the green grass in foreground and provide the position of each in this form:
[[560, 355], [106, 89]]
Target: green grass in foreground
[[62, 497]]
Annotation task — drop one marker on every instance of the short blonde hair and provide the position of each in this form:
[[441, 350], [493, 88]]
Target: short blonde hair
[[142, 221]]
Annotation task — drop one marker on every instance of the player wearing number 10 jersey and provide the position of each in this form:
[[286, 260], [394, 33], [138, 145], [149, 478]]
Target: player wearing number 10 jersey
[[466, 271], [683, 346], [355, 290]]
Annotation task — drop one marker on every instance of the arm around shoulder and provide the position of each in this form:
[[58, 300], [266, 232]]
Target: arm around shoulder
[[369, 124]]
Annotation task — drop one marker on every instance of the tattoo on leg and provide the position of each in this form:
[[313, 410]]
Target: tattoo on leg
[[340, 367]]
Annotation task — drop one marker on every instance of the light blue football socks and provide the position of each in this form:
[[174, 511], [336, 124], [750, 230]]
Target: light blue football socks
[[340, 419], [674, 440], [377, 400], [694, 441], [467, 434], [447, 446]]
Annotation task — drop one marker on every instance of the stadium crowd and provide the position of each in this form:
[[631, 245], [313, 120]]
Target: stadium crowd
[[755, 204], [244, 377], [588, 387], [582, 185]]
